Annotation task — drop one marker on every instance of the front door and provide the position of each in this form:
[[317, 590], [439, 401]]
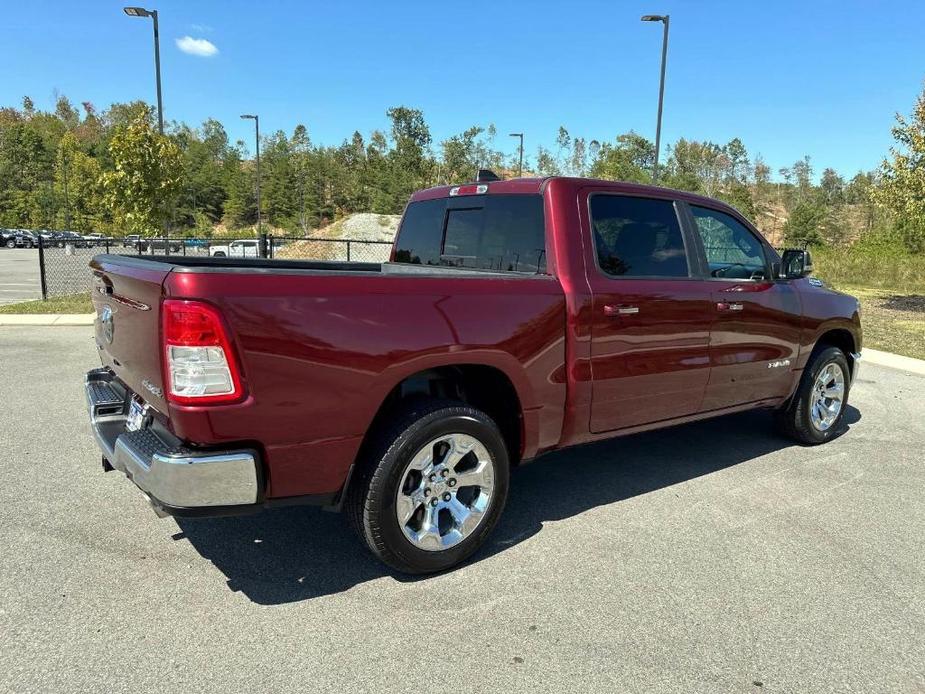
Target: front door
[[755, 337], [650, 326]]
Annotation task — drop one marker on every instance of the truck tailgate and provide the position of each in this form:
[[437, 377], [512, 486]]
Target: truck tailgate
[[126, 296]]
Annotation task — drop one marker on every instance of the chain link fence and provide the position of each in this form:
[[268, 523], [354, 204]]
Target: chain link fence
[[63, 266]]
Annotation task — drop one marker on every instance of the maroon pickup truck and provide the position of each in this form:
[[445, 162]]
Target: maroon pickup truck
[[515, 317]]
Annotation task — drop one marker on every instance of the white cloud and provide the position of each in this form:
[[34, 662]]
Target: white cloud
[[200, 47]]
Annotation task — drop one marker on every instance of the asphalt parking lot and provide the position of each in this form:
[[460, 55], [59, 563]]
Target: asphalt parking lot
[[715, 557], [19, 275]]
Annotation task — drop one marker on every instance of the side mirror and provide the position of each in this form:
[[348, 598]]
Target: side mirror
[[796, 263]]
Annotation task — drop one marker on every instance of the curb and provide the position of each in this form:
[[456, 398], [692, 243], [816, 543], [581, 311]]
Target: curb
[[893, 361], [47, 318]]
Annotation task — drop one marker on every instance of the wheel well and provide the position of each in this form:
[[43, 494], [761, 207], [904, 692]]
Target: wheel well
[[482, 387], [842, 339]]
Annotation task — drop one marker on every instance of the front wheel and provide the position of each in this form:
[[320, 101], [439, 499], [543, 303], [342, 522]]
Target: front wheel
[[815, 413], [431, 486]]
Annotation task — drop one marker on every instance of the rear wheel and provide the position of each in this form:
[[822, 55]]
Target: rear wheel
[[431, 486], [11, 244], [815, 413]]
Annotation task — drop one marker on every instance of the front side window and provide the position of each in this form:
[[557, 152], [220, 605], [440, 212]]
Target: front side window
[[732, 250], [637, 237]]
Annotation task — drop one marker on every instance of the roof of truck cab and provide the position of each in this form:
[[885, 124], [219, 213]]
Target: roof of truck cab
[[526, 186]]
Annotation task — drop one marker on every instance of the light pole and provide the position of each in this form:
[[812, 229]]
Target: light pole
[[256, 119], [520, 167], [67, 203], [142, 12], [661, 86]]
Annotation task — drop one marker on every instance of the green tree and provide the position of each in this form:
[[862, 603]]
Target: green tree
[[78, 188], [629, 158], [25, 177], [460, 159], [902, 188], [240, 207], [804, 225], [202, 196], [146, 178], [700, 167]]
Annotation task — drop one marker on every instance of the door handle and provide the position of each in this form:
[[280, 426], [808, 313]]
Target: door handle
[[611, 310], [728, 306]]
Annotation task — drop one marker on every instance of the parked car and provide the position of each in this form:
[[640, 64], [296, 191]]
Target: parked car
[[95, 239], [69, 238], [517, 317], [7, 238], [21, 238], [240, 248], [49, 238], [152, 244]]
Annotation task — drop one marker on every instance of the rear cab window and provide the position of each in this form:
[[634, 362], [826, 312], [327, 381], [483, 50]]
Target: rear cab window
[[637, 237], [505, 233]]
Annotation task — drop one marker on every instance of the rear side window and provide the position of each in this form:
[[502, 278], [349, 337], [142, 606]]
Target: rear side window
[[487, 232], [637, 237]]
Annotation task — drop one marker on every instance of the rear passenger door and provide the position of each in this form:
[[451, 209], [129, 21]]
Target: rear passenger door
[[757, 318], [651, 312]]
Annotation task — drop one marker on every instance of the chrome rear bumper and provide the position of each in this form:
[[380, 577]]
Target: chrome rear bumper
[[175, 479]]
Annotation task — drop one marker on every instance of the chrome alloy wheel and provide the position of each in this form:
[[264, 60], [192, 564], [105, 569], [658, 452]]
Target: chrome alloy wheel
[[445, 492], [828, 396]]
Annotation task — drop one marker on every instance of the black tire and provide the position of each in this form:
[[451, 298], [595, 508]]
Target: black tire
[[371, 499], [218, 254], [11, 244], [794, 420]]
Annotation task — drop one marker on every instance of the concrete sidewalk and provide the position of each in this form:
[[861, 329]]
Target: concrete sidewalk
[[893, 361], [47, 318]]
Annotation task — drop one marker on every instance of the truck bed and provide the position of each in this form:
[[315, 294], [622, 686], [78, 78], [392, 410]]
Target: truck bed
[[262, 265]]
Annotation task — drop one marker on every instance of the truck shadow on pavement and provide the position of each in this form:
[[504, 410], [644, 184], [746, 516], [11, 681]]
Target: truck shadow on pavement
[[298, 553]]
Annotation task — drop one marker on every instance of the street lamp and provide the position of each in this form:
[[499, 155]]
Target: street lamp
[[256, 119], [142, 12], [661, 86], [67, 202], [520, 167]]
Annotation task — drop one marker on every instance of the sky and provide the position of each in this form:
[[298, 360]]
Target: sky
[[789, 78]]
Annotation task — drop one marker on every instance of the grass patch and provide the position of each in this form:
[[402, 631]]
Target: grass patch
[[892, 321], [73, 303], [875, 267]]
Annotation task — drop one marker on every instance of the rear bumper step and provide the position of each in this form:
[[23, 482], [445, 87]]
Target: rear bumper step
[[175, 479]]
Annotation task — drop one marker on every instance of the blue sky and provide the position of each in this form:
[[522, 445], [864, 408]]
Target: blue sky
[[787, 77]]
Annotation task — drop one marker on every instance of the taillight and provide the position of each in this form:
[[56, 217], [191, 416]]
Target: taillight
[[199, 364]]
